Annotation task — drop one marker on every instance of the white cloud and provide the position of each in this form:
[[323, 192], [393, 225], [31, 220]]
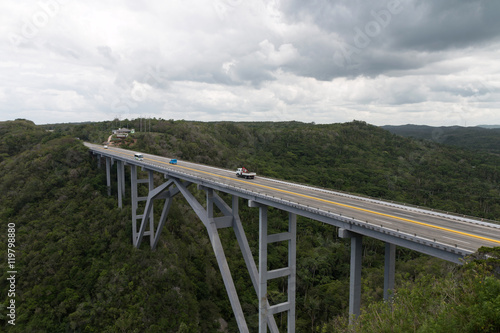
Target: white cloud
[[236, 60]]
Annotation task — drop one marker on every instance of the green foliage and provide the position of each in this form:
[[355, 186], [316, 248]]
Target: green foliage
[[472, 138], [354, 157], [77, 269], [80, 272], [467, 299]]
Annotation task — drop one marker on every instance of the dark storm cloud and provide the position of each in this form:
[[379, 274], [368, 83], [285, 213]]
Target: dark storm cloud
[[376, 37], [440, 25]]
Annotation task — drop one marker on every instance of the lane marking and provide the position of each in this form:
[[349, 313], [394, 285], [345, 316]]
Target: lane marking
[[327, 201]]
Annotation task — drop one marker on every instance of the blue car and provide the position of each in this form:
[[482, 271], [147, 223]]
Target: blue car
[[173, 161]]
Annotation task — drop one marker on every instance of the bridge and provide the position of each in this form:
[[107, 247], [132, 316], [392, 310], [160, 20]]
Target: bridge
[[446, 236]]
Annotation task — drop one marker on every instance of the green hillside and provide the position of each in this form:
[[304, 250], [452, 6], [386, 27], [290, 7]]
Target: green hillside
[[354, 157], [78, 272], [481, 138]]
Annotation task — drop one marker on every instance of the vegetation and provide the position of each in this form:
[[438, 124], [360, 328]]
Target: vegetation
[[354, 157], [78, 271], [472, 138]]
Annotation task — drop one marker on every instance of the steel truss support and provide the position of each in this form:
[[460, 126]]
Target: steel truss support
[[259, 275], [161, 192], [243, 243], [266, 312], [389, 270], [134, 182], [211, 224], [165, 191]]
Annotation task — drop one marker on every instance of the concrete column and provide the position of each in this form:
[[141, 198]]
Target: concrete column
[[263, 304], [355, 274], [355, 283], [133, 191], [123, 177], [108, 174], [210, 203], [389, 270], [121, 184], [292, 265], [151, 215]]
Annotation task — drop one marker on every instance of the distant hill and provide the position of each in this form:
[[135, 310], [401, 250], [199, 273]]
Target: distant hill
[[473, 138], [489, 126]]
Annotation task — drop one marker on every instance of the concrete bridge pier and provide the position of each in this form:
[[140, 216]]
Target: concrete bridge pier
[[120, 171], [267, 311], [355, 271], [109, 163], [134, 182]]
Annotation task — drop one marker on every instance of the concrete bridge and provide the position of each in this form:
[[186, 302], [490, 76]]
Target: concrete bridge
[[446, 236]]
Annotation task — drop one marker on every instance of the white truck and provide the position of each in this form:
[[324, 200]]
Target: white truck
[[244, 173]]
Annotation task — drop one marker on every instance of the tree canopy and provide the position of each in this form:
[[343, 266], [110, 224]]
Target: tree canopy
[[79, 272]]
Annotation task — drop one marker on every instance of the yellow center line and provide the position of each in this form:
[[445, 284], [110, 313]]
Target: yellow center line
[[330, 202]]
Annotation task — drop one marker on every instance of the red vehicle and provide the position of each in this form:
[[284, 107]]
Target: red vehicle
[[244, 173]]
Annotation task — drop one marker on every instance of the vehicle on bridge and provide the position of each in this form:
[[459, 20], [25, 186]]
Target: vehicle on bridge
[[138, 157], [244, 173], [173, 161]]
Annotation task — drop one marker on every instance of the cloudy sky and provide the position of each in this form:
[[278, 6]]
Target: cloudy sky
[[324, 61]]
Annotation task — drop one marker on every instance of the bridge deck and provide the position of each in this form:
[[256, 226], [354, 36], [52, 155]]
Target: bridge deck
[[378, 218]]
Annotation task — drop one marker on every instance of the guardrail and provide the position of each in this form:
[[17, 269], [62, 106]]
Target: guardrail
[[312, 212]]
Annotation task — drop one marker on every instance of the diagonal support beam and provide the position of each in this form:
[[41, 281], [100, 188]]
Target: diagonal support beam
[[147, 211], [244, 247], [168, 196], [161, 223], [208, 221]]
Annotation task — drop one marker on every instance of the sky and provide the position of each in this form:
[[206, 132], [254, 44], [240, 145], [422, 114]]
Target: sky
[[386, 62]]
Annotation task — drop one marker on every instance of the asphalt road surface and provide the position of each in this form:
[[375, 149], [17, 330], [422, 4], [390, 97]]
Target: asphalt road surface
[[465, 233]]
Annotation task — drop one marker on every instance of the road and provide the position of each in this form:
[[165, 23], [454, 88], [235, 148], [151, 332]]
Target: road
[[454, 231]]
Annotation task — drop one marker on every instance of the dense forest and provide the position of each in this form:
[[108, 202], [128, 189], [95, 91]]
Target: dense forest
[[78, 272], [481, 138]]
